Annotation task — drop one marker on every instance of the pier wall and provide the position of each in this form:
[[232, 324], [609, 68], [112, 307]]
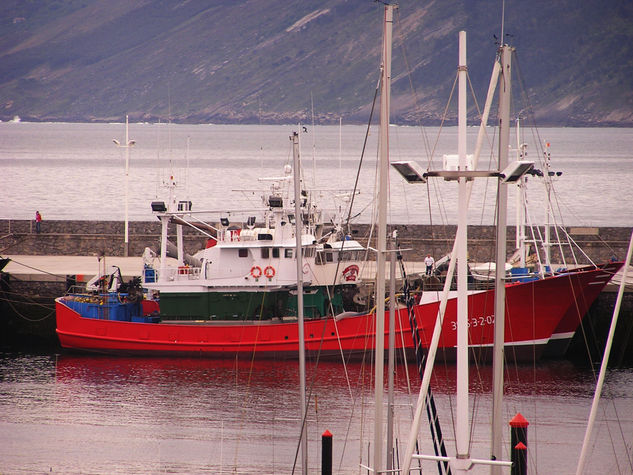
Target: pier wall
[[59, 237]]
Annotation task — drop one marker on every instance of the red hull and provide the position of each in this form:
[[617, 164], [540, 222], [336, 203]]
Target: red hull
[[533, 311], [586, 292]]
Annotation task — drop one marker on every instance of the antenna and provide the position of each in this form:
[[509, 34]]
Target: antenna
[[503, 18]]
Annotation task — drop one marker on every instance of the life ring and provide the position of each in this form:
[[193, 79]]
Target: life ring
[[256, 272], [269, 272]]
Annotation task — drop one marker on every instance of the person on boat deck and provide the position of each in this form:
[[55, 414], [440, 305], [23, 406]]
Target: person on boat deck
[[429, 262], [38, 221]]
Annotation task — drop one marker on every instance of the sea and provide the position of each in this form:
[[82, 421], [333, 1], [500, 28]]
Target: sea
[[76, 171], [80, 414]]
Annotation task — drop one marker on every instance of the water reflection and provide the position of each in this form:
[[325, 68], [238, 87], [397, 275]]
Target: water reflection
[[75, 414]]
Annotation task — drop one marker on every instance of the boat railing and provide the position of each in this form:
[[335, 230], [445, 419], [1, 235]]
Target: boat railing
[[229, 235], [182, 273], [76, 290]]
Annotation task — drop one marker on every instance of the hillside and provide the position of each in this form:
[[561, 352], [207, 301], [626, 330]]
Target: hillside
[[268, 61]]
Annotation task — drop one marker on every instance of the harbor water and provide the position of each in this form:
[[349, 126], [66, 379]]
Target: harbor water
[[66, 413], [75, 171], [96, 415]]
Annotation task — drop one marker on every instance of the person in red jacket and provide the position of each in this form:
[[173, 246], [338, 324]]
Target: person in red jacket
[[38, 221]]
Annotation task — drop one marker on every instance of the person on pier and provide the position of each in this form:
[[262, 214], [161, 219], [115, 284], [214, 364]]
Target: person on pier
[[429, 262]]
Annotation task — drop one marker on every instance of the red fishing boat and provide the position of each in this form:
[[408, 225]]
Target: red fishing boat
[[585, 294], [534, 311]]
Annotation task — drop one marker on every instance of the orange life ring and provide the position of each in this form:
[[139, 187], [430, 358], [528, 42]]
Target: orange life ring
[[269, 272], [256, 272]]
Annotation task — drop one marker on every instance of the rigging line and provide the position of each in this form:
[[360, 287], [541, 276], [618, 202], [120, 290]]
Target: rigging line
[[441, 207], [539, 142], [317, 359], [16, 241], [38, 270], [445, 113], [420, 355], [619, 422], [27, 300], [430, 210], [572, 241], [361, 377], [491, 160], [472, 93], [362, 155], [249, 380], [23, 302], [416, 101], [24, 317], [534, 230], [313, 381]]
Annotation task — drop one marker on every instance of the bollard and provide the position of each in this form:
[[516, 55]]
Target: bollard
[[326, 453], [518, 443]]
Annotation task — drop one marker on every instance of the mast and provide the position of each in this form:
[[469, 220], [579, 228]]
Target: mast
[[462, 436], [500, 291], [127, 144], [548, 209], [605, 361], [457, 463], [392, 347], [520, 205], [299, 260], [381, 244]]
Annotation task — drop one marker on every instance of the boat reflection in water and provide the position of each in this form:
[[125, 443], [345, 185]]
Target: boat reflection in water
[[148, 415]]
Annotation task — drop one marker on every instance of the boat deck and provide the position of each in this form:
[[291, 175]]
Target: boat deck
[[56, 268]]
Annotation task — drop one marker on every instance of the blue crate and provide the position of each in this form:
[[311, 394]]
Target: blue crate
[[521, 274], [150, 274]]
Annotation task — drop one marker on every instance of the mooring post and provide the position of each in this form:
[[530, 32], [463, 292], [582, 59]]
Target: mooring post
[[518, 444], [326, 453]]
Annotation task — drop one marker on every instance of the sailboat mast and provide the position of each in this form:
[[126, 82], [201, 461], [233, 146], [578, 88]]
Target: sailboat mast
[[500, 294], [520, 205], [605, 363], [392, 348], [299, 260], [462, 435], [548, 210], [381, 244]]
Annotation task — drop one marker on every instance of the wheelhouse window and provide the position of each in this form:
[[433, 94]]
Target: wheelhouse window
[[276, 252], [288, 253], [347, 256], [324, 257], [265, 252], [242, 252]]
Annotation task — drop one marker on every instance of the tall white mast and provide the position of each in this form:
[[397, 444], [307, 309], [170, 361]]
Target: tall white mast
[[127, 144], [500, 290], [520, 205], [462, 435], [548, 209], [381, 244], [605, 362], [299, 259], [456, 463]]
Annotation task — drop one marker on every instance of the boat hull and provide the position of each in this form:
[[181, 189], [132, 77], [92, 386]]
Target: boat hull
[[533, 311], [586, 292]]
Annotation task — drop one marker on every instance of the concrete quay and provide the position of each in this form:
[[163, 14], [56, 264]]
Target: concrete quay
[[92, 238]]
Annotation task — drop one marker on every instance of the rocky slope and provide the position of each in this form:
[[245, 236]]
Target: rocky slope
[[280, 61]]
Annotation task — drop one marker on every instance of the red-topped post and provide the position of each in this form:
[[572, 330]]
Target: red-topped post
[[518, 444], [326, 453]]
